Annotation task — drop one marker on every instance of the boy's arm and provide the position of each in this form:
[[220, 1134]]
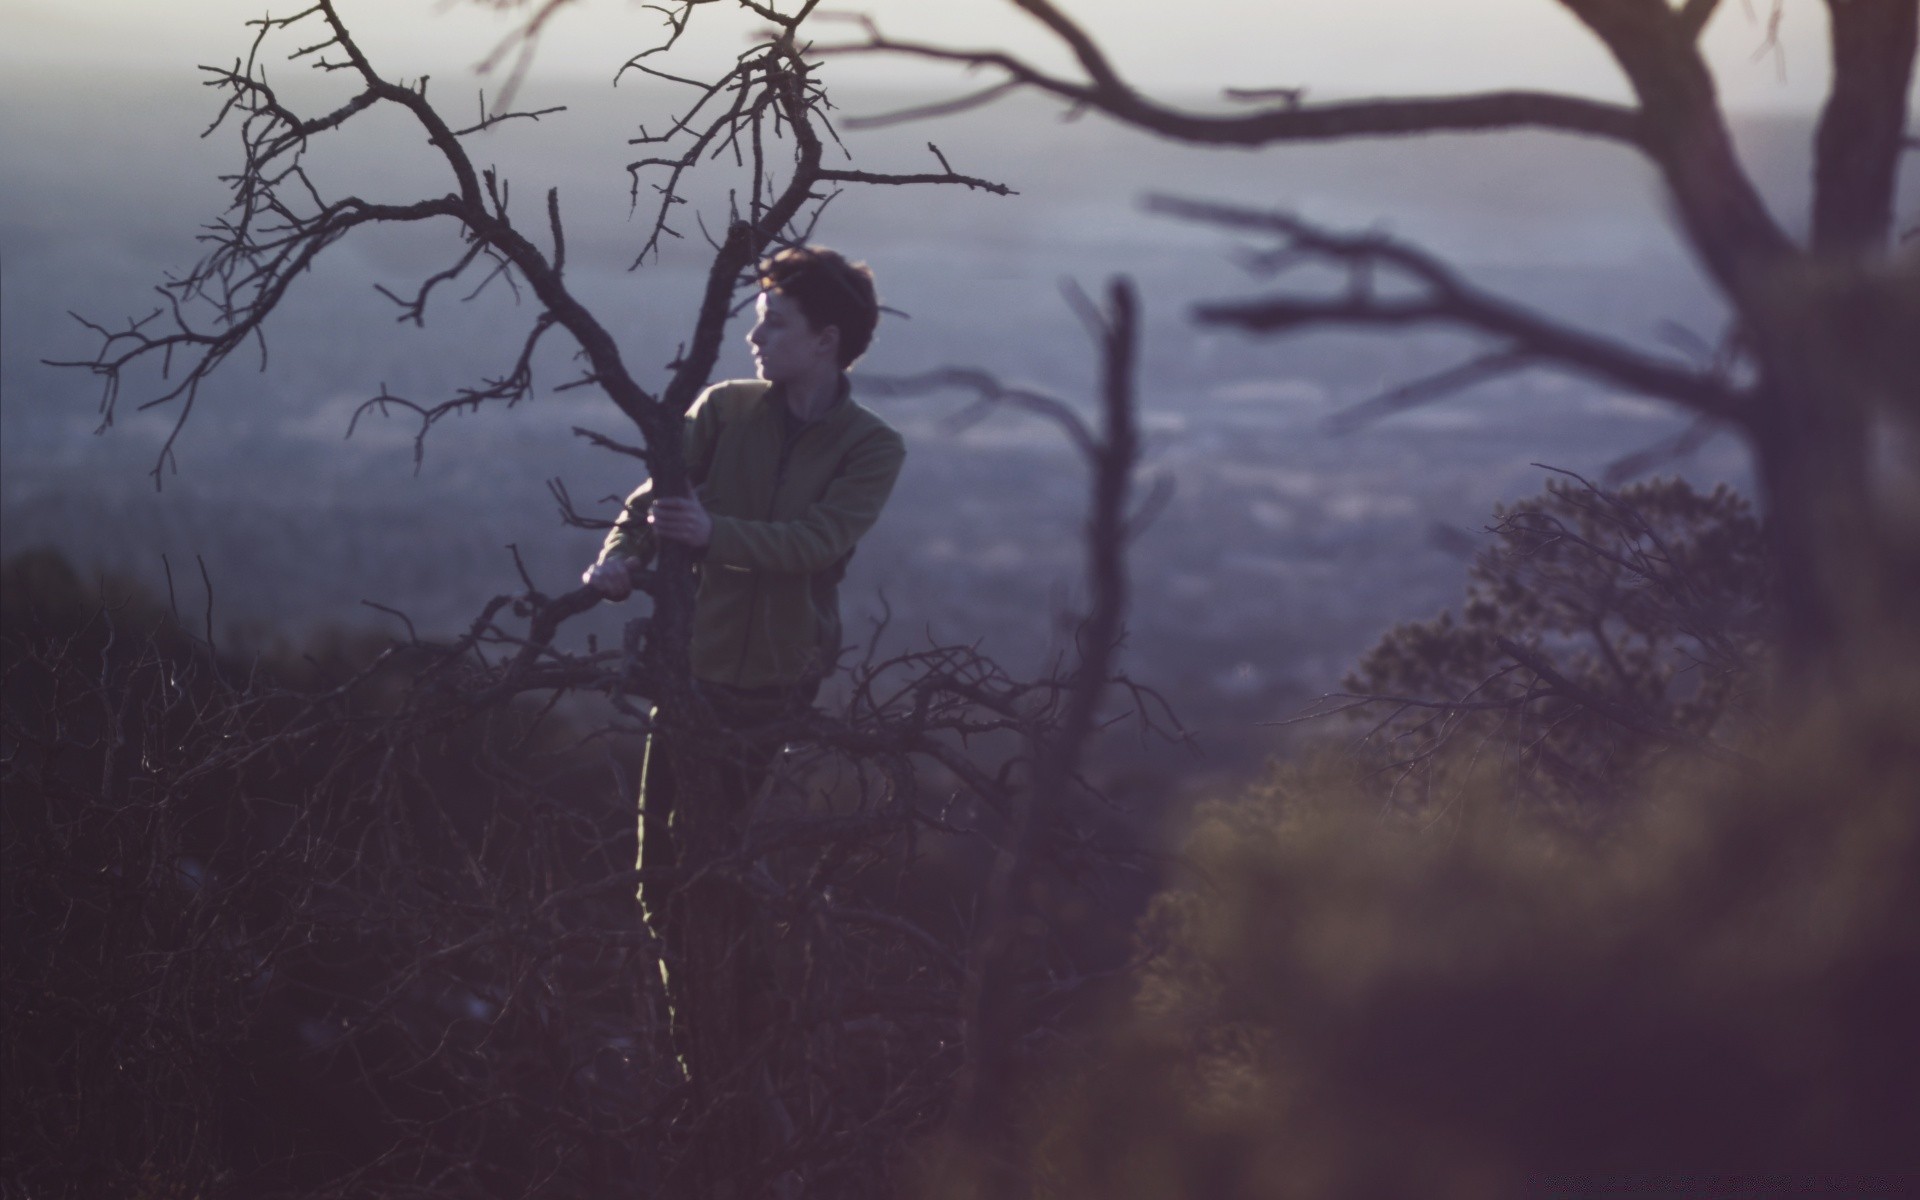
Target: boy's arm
[[631, 542], [631, 538]]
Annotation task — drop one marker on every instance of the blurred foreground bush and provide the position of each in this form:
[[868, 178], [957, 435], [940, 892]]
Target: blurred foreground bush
[[318, 926], [1720, 999], [256, 947]]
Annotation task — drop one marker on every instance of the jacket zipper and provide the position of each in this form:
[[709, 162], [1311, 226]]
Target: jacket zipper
[[787, 444]]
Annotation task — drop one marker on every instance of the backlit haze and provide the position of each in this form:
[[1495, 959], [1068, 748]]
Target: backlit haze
[[1286, 549], [1331, 46]]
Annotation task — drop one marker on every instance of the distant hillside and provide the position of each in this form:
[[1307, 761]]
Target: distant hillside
[[1285, 549]]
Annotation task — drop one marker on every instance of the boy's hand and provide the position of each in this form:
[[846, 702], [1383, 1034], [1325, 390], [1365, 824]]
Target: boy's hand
[[681, 518], [611, 578]]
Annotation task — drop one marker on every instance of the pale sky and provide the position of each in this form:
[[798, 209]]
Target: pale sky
[[1334, 47]]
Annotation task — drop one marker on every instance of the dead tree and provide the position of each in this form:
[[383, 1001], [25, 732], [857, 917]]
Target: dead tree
[[982, 1143], [498, 963], [370, 886], [1820, 372]]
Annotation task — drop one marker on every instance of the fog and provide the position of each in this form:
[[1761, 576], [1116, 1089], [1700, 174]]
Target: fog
[[1287, 546]]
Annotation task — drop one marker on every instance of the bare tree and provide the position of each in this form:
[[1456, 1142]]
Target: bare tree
[[982, 1142], [1820, 371], [820, 1087], [389, 884], [505, 970]]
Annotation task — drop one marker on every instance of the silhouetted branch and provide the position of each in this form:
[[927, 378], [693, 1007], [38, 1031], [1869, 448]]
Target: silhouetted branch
[[488, 121], [993, 1012], [1429, 291], [1103, 89], [1694, 15], [1429, 388]]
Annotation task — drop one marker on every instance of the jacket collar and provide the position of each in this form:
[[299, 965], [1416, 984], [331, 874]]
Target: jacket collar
[[776, 394]]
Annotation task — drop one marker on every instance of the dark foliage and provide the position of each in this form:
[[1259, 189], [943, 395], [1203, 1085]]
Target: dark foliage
[[363, 922], [293, 928], [254, 950], [1602, 631]]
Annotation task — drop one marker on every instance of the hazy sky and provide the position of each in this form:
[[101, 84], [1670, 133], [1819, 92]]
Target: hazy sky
[[1332, 46]]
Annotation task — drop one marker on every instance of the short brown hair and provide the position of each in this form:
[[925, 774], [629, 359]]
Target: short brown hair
[[830, 291]]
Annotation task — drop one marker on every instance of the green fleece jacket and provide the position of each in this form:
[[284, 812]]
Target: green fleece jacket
[[788, 502]]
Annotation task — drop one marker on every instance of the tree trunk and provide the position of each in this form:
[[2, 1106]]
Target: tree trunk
[[1837, 443]]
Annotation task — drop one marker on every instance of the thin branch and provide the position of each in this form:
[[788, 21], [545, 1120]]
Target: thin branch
[[985, 185], [488, 122], [942, 108], [1430, 388], [990, 392], [1436, 294], [1620, 714], [1290, 121]]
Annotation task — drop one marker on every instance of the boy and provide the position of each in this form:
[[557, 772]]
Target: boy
[[788, 473]]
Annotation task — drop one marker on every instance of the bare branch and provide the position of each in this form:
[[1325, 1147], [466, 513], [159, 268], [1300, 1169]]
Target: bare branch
[[1620, 714], [1686, 135], [1104, 90], [1667, 450], [842, 176], [1693, 16], [990, 392], [1430, 388], [1435, 294], [992, 1009], [488, 122], [943, 108]]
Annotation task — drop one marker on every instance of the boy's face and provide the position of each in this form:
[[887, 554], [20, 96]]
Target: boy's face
[[786, 346]]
